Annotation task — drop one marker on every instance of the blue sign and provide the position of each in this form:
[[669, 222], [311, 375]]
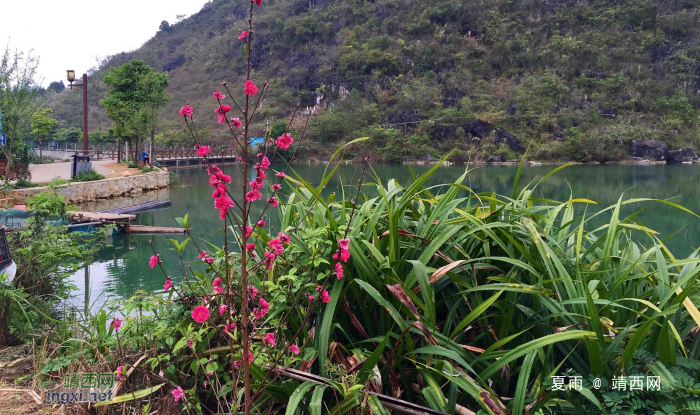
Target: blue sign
[[256, 141], [3, 139]]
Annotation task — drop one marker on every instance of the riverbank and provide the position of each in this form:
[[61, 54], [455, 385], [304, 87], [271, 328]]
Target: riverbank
[[80, 192]]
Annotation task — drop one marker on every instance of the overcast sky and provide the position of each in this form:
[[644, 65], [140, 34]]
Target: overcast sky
[[70, 34]]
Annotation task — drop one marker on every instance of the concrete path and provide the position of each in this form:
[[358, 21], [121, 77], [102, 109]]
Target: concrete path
[[42, 173]]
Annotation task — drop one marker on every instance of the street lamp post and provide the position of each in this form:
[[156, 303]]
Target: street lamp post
[[84, 85]]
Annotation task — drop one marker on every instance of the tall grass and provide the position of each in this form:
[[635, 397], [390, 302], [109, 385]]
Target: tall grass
[[477, 300]]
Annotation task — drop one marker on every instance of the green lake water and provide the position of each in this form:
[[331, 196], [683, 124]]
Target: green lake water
[[122, 269]]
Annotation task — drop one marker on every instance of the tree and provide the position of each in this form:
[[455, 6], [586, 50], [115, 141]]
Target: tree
[[42, 125], [56, 87], [19, 98], [164, 26], [135, 99]]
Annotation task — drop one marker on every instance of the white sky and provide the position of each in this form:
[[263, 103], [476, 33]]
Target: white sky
[[70, 34]]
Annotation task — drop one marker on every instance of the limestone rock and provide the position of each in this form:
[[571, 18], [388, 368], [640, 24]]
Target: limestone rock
[[682, 155], [478, 128], [649, 149], [510, 140]]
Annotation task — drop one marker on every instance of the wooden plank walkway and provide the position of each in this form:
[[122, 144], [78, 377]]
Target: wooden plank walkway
[[99, 217]]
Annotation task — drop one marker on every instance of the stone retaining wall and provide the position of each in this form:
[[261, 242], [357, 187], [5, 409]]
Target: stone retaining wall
[[81, 192]]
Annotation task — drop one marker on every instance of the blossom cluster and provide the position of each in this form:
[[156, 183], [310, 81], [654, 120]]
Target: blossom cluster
[[204, 256], [218, 180], [343, 255]]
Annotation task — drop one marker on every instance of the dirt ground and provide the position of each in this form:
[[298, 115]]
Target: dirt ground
[[16, 384], [120, 169]]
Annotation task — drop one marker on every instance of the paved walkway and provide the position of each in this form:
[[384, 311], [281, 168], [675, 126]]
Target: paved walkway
[[43, 173]]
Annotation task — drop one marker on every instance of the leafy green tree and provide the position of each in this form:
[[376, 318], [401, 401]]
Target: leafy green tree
[[42, 125], [72, 134], [56, 87], [164, 26], [19, 98], [136, 99]]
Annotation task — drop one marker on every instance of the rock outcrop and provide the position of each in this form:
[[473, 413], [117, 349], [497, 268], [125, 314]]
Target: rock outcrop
[[649, 149], [683, 155], [174, 64], [510, 140], [478, 128]]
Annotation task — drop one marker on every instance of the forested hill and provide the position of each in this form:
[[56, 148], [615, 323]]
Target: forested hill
[[573, 79]]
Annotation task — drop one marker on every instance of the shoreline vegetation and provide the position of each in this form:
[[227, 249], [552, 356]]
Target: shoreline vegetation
[[483, 286]]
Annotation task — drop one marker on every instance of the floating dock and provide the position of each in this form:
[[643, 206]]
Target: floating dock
[[121, 218]]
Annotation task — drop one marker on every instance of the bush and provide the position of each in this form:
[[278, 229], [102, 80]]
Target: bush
[[46, 256], [87, 176], [22, 183]]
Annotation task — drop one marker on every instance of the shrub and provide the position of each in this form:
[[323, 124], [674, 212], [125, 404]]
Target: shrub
[[87, 176]]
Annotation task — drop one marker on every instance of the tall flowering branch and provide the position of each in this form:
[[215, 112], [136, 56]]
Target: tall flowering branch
[[224, 289]]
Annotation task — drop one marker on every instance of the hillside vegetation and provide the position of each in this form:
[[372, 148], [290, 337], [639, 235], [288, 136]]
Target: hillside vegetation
[[571, 79]]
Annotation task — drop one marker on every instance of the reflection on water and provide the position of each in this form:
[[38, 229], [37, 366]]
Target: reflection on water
[[123, 269]]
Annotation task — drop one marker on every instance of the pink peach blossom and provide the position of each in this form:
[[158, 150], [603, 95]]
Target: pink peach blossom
[[200, 314], [203, 151], [178, 394], [250, 88], [339, 270], [284, 141], [186, 111]]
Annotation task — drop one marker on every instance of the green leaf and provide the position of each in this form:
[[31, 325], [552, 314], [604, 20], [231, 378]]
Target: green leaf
[[297, 396], [346, 406], [130, 396], [368, 365], [477, 312], [326, 326], [426, 290], [377, 407], [530, 346], [317, 400], [441, 351], [381, 300], [521, 388]]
